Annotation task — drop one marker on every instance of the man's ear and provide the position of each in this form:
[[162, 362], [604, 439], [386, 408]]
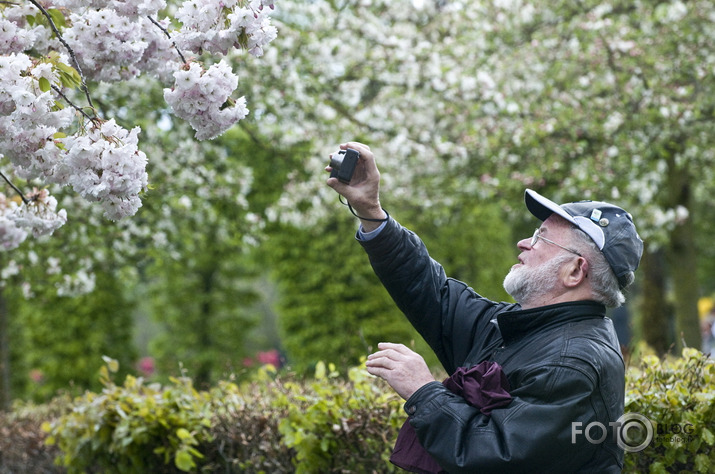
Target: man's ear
[[577, 272]]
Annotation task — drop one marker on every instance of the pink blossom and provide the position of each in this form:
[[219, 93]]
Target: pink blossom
[[146, 366]]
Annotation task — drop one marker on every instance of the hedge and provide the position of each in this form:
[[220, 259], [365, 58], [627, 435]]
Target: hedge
[[279, 423], [677, 396], [273, 424]]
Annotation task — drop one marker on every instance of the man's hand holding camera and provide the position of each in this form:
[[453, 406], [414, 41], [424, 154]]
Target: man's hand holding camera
[[354, 175], [362, 190]]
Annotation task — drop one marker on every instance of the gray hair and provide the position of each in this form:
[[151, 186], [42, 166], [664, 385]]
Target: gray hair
[[604, 283]]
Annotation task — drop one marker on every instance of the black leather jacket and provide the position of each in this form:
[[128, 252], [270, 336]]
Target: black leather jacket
[[563, 363]]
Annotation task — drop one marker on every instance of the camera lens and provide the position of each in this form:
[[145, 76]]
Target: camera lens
[[336, 160], [343, 164]]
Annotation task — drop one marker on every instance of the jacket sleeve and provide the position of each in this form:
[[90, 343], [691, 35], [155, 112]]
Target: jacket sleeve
[[529, 435], [420, 288]]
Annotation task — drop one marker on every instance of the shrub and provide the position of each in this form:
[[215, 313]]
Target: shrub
[[327, 424], [245, 431], [340, 426], [22, 441], [269, 425], [133, 428], [677, 395], [279, 423]]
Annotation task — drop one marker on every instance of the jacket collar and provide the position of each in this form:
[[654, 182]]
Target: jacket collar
[[517, 323]]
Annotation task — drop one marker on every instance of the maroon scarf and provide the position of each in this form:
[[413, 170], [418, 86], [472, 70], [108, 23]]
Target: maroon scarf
[[483, 386]]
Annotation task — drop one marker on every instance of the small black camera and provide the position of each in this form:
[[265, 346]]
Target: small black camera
[[343, 163]]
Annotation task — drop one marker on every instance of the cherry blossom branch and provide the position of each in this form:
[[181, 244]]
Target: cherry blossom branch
[[83, 87], [78, 109], [17, 190], [168, 36]]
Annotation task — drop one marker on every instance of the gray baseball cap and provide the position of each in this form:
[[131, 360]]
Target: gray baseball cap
[[609, 226]]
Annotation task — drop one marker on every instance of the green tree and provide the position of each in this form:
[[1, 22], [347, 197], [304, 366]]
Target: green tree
[[625, 106], [475, 101], [331, 305], [63, 350], [57, 332]]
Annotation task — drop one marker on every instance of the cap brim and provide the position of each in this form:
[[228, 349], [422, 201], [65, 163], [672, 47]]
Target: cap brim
[[542, 208]]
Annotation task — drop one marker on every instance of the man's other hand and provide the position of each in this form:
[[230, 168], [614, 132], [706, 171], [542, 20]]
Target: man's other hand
[[402, 368]]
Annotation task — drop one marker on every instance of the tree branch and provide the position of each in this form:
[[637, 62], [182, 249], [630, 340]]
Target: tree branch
[[17, 190], [78, 109], [83, 87], [168, 36]]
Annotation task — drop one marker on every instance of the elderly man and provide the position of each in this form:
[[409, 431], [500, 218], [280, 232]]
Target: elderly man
[[558, 350]]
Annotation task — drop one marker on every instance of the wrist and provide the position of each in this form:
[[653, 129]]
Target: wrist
[[369, 226], [370, 220], [378, 214], [371, 211]]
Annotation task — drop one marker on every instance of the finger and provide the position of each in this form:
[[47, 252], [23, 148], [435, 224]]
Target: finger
[[380, 358], [400, 348], [366, 155], [356, 146], [378, 372], [340, 188], [381, 363], [387, 353]]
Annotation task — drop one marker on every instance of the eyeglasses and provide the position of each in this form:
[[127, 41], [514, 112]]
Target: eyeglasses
[[537, 235]]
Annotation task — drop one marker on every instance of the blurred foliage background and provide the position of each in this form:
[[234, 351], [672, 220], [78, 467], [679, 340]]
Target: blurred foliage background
[[240, 255]]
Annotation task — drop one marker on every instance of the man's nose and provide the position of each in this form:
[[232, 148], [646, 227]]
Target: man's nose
[[524, 244]]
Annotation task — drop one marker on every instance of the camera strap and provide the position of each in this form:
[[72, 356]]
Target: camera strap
[[364, 218]]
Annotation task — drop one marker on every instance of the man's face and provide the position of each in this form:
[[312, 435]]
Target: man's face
[[538, 272]]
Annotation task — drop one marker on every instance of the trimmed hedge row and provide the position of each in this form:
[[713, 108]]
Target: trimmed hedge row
[[273, 424], [22, 440], [280, 424]]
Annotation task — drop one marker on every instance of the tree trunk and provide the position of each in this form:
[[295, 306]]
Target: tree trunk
[[655, 311], [5, 389], [682, 259], [205, 328]]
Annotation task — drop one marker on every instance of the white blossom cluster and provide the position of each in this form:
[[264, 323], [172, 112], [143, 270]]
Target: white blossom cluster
[[129, 8], [28, 122], [11, 236], [28, 119], [200, 96], [39, 214], [110, 40], [17, 34], [112, 47], [106, 165], [14, 38], [218, 27]]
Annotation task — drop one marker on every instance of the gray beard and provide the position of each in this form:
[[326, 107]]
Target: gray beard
[[526, 285]]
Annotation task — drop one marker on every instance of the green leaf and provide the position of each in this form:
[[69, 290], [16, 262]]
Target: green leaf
[[708, 436], [69, 75], [703, 463], [44, 84], [657, 468], [184, 461], [57, 17], [183, 433], [320, 370], [112, 364], [325, 444]]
